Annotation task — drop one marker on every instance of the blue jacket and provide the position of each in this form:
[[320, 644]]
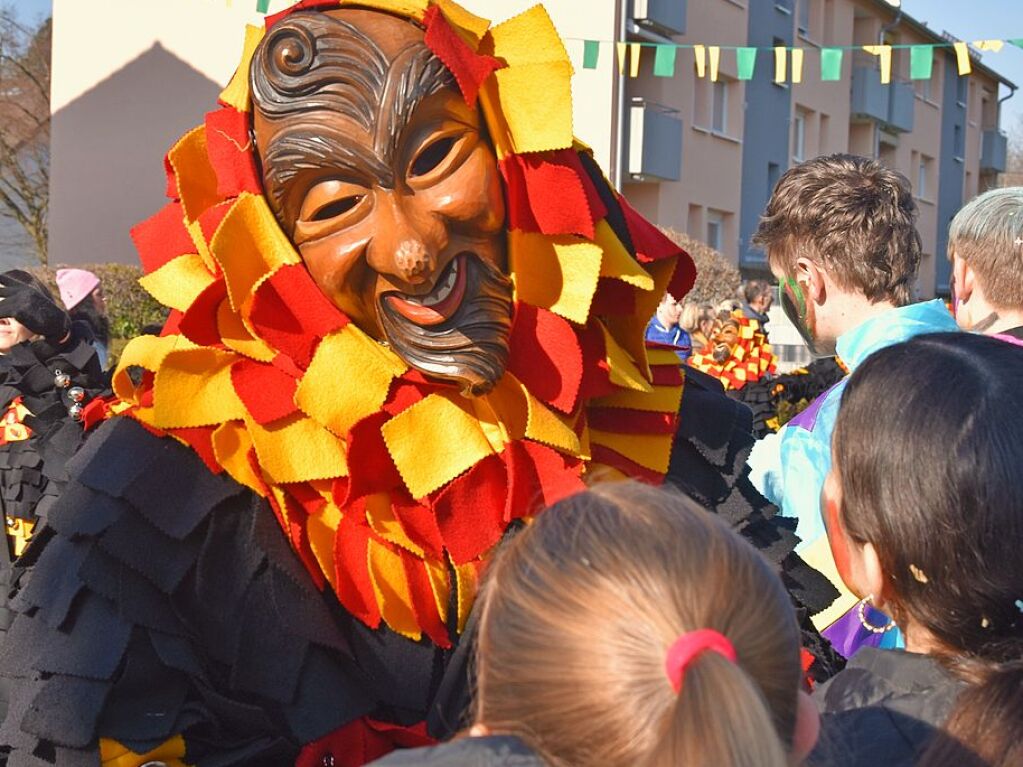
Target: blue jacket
[[675, 337], [789, 467]]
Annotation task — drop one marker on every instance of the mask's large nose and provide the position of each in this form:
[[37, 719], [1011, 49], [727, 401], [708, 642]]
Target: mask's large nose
[[407, 242]]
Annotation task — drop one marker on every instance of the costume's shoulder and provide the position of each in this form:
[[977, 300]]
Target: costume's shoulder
[[708, 463], [162, 599]]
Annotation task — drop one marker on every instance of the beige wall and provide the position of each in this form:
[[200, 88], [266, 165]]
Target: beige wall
[[711, 159]]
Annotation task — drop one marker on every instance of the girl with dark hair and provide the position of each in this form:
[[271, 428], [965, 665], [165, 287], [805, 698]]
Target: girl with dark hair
[[924, 512], [626, 627]]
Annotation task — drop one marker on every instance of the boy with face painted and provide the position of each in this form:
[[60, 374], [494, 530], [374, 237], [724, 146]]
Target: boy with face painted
[[840, 236]]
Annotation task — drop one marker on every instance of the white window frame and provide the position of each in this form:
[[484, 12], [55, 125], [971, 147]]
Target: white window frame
[[716, 220], [799, 136], [719, 106]]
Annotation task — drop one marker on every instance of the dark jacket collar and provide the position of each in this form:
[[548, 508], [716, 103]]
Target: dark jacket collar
[[491, 751]]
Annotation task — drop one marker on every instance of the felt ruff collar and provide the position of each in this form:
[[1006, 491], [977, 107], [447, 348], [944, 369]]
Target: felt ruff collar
[[393, 488], [751, 358]]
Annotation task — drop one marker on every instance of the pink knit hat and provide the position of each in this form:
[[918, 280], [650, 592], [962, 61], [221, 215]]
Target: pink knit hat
[[75, 285]]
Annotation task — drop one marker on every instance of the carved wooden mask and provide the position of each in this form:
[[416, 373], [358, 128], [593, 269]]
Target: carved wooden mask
[[383, 177]]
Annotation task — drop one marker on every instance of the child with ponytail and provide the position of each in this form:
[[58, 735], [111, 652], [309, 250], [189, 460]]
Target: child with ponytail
[[924, 511], [628, 628]]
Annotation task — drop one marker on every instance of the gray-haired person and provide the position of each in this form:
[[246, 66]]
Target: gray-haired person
[[985, 245]]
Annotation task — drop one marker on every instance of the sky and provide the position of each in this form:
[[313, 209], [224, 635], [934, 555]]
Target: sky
[[982, 20]]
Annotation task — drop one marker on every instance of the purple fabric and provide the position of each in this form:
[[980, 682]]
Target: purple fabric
[[847, 634], [1009, 339], [808, 418]]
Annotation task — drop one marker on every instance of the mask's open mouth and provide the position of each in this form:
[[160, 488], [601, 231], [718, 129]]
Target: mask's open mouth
[[440, 304]]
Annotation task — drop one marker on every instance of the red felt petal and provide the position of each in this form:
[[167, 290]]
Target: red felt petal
[[423, 603], [299, 6], [666, 375], [267, 392], [374, 470], [684, 276], [200, 439], [306, 497], [162, 237], [199, 322], [420, 525], [354, 588], [360, 742], [545, 355], [606, 455], [470, 510], [546, 194], [597, 378], [625, 421], [405, 392], [469, 68], [229, 148], [559, 476], [613, 298], [651, 243], [291, 314], [209, 221]]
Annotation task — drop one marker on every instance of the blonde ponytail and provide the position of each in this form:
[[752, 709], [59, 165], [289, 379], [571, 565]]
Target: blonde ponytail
[[577, 616]]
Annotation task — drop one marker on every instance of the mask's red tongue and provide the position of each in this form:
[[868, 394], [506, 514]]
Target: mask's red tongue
[[438, 312]]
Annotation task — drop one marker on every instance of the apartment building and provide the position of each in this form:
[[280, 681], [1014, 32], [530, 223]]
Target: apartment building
[[691, 153]]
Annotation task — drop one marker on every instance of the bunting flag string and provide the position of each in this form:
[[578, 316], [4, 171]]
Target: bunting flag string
[[788, 60]]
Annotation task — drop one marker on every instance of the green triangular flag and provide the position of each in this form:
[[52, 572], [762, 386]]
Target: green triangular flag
[[745, 62], [262, 6], [664, 61], [591, 52], [831, 64], [1018, 42], [921, 62]]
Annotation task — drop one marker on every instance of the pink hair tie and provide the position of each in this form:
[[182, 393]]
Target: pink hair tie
[[687, 647]]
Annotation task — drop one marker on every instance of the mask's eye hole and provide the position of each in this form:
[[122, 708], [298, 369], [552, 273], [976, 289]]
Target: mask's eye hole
[[336, 208], [432, 156]]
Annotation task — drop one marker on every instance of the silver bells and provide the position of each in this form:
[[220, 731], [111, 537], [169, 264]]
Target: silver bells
[[76, 394]]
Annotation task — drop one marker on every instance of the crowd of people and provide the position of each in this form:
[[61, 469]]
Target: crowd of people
[[378, 494]]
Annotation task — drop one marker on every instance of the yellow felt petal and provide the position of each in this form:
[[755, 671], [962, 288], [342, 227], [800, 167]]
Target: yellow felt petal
[[322, 530], [249, 245], [630, 331], [178, 282], [170, 753], [236, 335], [651, 451], [440, 585], [297, 449], [146, 352], [622, 368], [196, 179], [617, 263], [413, 9], [529, 38], [381, 518], [468, 584], [497, 126], [663, 399], [200, 378], [237, 93], [536, 100], [558, 273], [202, 247], [390, 585], [662, 357], [492, 422], [470, 26], [231, 446], [818, 556], [434, 441], [347, 380]]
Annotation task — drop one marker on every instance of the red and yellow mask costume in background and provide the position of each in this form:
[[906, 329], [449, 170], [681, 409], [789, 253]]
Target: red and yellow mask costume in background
[[393, 486], [737, 352]]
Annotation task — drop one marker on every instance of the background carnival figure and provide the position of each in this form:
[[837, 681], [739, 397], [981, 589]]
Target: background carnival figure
[[665, 328], [82, 295], [366, 384]]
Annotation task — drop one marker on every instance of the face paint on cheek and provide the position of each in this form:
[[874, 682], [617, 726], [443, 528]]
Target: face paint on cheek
[[837, 539], [799, 313]]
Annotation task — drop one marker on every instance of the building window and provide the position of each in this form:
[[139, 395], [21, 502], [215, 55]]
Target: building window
[[773, 174], [923, 171], [719, 108], [923, 89], [715, 229], [962, 90], [957, 142], [804, 17], [799, 136], [785, 6], [824, 135]]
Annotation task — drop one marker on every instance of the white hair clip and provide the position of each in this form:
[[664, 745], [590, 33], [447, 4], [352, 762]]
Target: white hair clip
[[1019, 240]]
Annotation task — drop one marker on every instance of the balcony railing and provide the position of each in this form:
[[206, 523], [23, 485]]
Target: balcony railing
[[901, 106], [994, 147], [663, 17], [892, 105], [655, 142]]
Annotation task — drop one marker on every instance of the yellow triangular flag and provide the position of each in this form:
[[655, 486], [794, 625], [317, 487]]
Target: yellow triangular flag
[[780, 61], [622, 48], [963, 58], [715, 59], [797, 65], [634, 54], [990, 45], [700, 52], [884, 54]]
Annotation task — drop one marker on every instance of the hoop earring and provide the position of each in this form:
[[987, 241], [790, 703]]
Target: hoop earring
[[861, 612]]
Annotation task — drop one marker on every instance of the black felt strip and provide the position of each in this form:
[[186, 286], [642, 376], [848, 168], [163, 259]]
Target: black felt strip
[[137, 600], [66, 710], [328, 698], [113, 469], [66, 516], [176, 652], [305, 613], [57, 585], [95, 646]]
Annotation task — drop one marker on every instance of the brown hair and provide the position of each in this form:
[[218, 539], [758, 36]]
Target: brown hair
[[928, 445], [577, 615], [855, 215], [987, 233]]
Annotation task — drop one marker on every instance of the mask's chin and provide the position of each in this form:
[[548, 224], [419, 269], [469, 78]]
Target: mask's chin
[[459, 332]]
